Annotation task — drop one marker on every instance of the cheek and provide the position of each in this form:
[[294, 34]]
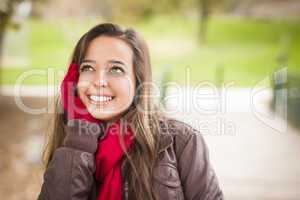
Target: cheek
[[84, 81], [125, 87], [82, 86]]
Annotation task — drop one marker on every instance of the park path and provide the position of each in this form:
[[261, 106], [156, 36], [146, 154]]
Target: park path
[[254, 152]]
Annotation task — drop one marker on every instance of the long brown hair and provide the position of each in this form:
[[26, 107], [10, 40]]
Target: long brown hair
[[144, 116]]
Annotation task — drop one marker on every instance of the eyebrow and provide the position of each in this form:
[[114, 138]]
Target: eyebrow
[[110, 61], [87, 60]]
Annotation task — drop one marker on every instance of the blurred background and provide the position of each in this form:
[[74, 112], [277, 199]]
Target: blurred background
[[230, 68]]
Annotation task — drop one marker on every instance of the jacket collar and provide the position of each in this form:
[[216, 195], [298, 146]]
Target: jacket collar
[[164, 137]]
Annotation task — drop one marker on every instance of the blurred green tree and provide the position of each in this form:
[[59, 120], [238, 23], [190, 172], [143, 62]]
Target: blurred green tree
[[12, 13], [205, 9], [6, 13]]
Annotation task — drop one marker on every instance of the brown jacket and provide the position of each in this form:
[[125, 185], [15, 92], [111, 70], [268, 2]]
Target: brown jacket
[[183, 171]]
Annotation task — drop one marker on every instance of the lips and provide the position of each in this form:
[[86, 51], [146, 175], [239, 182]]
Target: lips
[[96, 99]]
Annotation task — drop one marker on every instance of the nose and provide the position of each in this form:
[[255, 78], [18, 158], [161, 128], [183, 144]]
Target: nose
[[100, 79]]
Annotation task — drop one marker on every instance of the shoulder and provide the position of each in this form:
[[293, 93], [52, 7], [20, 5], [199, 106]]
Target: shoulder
[[178, 129], [179, 135]]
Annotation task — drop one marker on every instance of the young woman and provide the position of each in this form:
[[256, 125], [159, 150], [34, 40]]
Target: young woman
[[109, 141]]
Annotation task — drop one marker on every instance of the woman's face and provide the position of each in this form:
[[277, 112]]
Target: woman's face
[[106, 83]]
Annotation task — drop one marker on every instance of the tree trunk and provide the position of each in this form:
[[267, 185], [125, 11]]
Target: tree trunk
[[4, 21], [204, 15], [3, 26]]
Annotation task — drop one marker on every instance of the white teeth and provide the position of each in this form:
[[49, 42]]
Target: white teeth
[[100, 98]]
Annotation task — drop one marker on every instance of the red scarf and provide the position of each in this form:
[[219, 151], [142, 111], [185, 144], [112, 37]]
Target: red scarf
[[109, 153]]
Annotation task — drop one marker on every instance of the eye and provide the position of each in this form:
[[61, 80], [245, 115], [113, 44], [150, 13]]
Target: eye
[[85, 68], [117, 70]]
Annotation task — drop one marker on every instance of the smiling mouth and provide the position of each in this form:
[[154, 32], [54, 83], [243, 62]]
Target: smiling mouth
[[98, 99]]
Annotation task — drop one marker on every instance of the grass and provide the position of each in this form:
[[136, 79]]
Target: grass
[[246, 49]]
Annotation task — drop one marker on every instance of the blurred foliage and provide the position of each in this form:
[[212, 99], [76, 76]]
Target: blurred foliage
[[8, 10], [247, 49], [144, 9]]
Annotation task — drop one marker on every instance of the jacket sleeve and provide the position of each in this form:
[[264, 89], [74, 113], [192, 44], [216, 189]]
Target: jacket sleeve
[[198, 178], [69, 174]]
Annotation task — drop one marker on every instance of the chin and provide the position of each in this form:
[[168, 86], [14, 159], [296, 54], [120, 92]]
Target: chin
[[104, 117]]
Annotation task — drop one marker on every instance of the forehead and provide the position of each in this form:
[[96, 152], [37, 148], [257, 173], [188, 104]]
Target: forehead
[[104, 48]]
